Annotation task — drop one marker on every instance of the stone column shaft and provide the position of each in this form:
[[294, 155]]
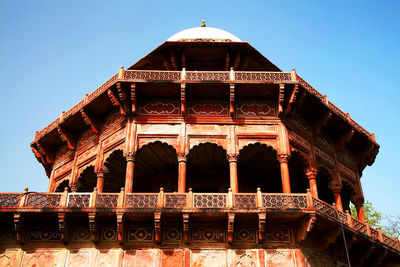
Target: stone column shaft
[[312, 179], [283, 160], [182, 174], [130, 166], [232, 159]]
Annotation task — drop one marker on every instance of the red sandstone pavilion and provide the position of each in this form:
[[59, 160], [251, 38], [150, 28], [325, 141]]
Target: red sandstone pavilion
[[203, 153]]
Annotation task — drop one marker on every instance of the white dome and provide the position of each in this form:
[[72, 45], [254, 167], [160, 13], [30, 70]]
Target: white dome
[[204, 33]]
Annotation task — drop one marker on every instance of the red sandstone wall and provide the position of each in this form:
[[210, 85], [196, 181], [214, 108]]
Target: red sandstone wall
[[159, 257]]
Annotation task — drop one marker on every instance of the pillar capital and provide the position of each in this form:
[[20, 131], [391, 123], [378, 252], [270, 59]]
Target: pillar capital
[[358, 201], [283, 158], [130, 156], [182, 158], [232, 157], [312, 173]]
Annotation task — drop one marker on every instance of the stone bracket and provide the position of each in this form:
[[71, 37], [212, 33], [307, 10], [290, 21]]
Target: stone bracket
[[93, 227], [281, 98], [305, 227], [18, 227], [186, 233], [62, 226], [231, 224], [92, 121], [133, 98], [261, 226], [115, 101], [292, 99], [120, 227], [67, 136], [232, 99], [157, 226]]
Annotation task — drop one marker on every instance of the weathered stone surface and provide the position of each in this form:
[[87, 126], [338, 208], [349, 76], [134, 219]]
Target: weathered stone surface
[[246, 258], [45, 257], [78, 258], [9, 258], [172, 258], [141, 258], [107, 258], [208, 258]]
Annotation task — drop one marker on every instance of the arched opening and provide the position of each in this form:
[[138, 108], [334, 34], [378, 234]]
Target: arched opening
[[87, 180], [347, 194], [208, 169], [156, 166], [323, 184], [63, 185], [297, 170], [114, 172], [258, 166]]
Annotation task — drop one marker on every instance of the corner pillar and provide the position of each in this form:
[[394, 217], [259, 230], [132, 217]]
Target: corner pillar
[[232, 159], [312, 180], [100, 181], [338, 199], [130, 165], [182, 159], [283, 160]]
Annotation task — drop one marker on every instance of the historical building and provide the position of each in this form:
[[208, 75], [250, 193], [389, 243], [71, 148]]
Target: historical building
[[203, 153]]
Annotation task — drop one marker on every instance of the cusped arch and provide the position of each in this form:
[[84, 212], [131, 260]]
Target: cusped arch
[[156, 166], [324, 183], [62, 185], [267, 142], [87, 180], [114, 170], [258, 167], [208, 168], [298, 166]]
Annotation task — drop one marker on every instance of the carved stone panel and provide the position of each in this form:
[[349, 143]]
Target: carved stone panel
[[113, 122], [109, 234], [44, 233], [140, 234], [206, 108], [279, 257], [255, 109], [324, 158], [245, 235], [141, 258], [209, 258], [299, 141], [78, 258], [159, 108], [172, 234], [258, 130], [43, 257], [211, 234], [246, 258], [275, 235]]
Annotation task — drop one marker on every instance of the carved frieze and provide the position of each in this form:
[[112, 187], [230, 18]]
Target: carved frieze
[[44, 233], [63, 156], [299, 141], [211, 234], [258, 130], [278, 235], [206, 108], [159, 108], [324, 157], [88, 138], [114, 122], [255, 109], [140, 233], [245, 235]]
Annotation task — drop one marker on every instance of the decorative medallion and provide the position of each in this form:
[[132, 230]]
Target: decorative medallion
[[159, 108], [140, 234]]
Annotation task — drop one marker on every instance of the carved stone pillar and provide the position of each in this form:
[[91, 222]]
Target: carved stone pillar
[[359, 207], [130, 165], [338, 199], [182, 173], [283, 160], [100, 181], [232, 159], [312, 180]]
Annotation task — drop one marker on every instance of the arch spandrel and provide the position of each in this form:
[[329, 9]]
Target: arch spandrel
[[145, 141], [86, 180], [269, 142], [219, 141]]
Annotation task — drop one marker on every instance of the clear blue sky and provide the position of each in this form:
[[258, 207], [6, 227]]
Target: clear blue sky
[[53, 52]]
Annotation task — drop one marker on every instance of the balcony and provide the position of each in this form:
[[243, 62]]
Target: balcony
[[189, 202]]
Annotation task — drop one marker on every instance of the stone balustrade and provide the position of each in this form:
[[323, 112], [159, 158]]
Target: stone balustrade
[[219, 202]]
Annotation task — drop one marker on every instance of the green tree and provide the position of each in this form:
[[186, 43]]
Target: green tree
[[372, 216]]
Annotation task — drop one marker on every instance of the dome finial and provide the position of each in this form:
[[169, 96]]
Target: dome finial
[[203, 23]]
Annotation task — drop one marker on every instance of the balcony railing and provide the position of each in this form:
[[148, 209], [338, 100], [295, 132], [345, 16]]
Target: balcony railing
[[11, 202]]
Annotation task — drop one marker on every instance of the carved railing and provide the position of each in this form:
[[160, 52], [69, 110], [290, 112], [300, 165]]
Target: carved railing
[[284, 201], [39, 200], [9, 200], [173, 200], [390, 242], [141, 200], [191, 200], [263, 76], [245, 201], [107, 200], [207, 75], [209, 200], [149, 75], [79, 200]]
